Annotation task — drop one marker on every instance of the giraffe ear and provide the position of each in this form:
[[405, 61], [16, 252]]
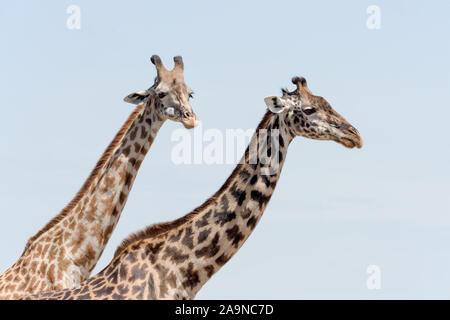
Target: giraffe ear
[[138, 97], [276, 104]]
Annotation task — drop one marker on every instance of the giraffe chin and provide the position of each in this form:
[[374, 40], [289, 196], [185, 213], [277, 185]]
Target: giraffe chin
[[190, 123]]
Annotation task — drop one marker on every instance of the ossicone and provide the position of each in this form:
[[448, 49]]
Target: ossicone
[[299, 81], [156, 60], [178, 60]]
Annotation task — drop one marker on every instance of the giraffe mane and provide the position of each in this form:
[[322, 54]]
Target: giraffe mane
[[160, 228], [94, 173]]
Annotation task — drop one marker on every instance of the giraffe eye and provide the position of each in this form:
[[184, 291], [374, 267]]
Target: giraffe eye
[[191, 96], [161, 95], [309, 110]]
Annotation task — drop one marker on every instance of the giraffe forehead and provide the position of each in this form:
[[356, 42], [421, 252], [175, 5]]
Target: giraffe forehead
[[172, 78], [174, 84], [320, 103]]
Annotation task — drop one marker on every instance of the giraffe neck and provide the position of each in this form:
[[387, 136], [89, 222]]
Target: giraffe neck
[[68, 248], [99, 210], [220, 229]]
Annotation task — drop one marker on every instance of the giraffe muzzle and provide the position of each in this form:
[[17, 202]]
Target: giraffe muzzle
[[351, 141], [349, 137], [190, 122]]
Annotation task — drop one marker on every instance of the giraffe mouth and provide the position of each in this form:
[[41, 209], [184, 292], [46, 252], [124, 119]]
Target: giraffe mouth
[[351, 143]]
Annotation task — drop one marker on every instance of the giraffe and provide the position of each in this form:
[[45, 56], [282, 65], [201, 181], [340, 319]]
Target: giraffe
[[64, 252], [174, 260]]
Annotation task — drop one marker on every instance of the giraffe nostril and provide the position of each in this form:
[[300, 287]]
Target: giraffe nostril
[[353, 130], [185, 113]]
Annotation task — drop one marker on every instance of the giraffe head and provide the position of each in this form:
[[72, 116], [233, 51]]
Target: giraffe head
[[170, 92], [312, 116]]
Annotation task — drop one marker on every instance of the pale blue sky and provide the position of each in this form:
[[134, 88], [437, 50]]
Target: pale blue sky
[[335, 211]]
